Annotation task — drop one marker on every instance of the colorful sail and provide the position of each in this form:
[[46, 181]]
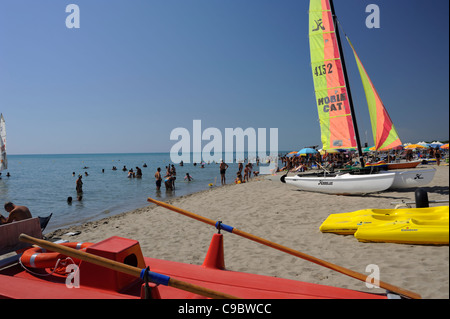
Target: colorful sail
[[337, 130], [384, 134], [3, 159]]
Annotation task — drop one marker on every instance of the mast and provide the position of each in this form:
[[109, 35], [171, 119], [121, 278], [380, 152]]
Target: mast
[[352, 111]]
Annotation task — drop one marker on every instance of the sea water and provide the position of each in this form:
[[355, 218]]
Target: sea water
[[44, 182]]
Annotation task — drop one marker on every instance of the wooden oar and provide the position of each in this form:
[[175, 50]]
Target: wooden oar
[[127, 269], [343, 270]]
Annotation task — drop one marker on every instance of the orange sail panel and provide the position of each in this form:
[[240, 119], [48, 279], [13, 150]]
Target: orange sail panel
[[384, 134], [335, 118]]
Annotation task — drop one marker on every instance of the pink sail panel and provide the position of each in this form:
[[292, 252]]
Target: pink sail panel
[[384, 133], [335, 118]]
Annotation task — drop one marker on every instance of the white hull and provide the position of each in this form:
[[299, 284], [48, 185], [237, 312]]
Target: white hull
[[413, 178], [344, 184]]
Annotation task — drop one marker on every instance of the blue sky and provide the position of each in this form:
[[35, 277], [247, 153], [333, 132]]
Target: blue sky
[[136, 70]]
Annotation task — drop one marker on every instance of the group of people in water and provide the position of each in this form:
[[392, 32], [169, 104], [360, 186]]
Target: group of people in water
[[243, 174], [131, 173], [7, 175], [79, 182], [169, 178]]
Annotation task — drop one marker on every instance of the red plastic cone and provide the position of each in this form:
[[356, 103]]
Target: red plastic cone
[[215, 255]]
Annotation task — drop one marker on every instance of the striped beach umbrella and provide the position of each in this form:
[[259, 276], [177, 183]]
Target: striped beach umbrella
[[307, 150], [412, 146]]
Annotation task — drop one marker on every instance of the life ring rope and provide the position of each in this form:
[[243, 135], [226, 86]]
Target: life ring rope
[[56, 269], [37, 257]]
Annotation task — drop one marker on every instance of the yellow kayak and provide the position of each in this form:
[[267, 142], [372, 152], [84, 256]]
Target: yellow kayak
[[348, 223], [412, 231]]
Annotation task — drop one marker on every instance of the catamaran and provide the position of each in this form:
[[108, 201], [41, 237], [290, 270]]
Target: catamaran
[[386, 137], [337, 119]]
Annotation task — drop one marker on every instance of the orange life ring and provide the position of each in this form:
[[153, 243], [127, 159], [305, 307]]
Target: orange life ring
[[37, 257]]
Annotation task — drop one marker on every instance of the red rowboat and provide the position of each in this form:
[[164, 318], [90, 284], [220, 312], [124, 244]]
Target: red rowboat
[[99, 282]]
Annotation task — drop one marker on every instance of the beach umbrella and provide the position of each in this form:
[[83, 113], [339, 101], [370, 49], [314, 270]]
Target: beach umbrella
[[445, 146], [436, 144], [307, 150], [291, 154], [330, 151], [412, 146], [369, 148]]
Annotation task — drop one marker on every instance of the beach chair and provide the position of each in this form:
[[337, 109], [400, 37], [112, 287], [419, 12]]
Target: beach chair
[[9, 238], [44, 221]]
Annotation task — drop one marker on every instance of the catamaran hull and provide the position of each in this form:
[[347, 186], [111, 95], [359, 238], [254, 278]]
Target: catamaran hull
[[413, 178], [345, 184]]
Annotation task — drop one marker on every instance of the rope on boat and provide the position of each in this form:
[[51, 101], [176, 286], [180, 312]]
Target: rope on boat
[[64, 263]]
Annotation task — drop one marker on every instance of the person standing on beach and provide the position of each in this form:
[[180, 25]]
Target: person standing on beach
[[437, 155], [223, 167], [246, 169], [79, 185], [16, 213], [158, 178]]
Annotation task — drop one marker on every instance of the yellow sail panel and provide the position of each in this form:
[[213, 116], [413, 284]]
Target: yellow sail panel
[[384, 133], [336, 124]]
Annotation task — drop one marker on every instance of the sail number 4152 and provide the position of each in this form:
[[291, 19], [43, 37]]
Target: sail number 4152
[[323, 69]]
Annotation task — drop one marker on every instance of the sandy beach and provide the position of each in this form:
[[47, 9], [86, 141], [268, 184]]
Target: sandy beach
[[281, 213]]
